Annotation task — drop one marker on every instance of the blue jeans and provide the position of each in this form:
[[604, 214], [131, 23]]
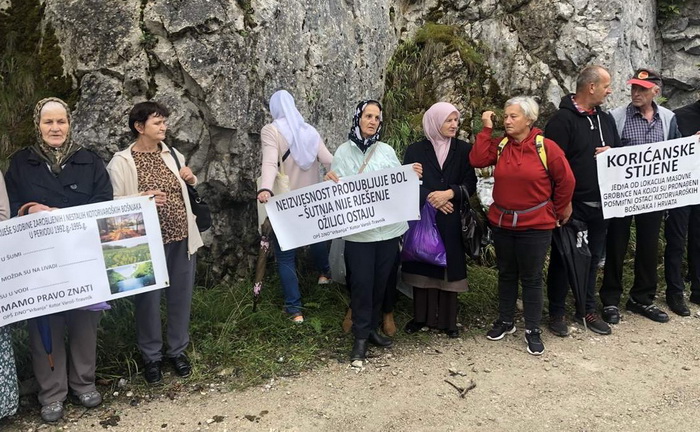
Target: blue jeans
[[286, 267]]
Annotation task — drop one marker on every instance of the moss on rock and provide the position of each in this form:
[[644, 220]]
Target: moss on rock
[[438, 64], [31, 68]]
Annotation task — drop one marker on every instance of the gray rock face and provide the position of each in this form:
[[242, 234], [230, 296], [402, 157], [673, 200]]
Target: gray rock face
[[538, 47], [216, 63], [681, 55]]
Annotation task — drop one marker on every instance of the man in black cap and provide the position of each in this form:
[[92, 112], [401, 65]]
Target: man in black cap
[[640, 122], [676, 229], [582, 129]]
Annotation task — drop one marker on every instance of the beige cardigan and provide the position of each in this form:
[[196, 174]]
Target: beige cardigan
[[274, 146], [125, 182]]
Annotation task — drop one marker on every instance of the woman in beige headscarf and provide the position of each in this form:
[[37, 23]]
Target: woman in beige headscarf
[[448, 180]]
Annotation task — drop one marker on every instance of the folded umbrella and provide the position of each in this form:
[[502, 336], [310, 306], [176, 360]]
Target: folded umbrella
[[44, 328], [265, 238], [572, 241]]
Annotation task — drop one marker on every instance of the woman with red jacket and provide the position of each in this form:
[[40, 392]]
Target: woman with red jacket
[[533, 186]]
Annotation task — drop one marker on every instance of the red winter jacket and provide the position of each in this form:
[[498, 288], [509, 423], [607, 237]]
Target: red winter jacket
[[521, 181]]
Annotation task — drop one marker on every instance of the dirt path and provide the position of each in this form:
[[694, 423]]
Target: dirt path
[[644, 377]]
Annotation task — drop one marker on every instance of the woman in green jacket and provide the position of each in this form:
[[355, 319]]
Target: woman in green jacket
[[369, 255]]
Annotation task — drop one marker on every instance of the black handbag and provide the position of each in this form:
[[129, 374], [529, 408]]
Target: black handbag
[[200, 208], [472, 231]]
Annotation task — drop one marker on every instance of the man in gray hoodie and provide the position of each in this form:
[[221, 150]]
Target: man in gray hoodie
[[638, 123]]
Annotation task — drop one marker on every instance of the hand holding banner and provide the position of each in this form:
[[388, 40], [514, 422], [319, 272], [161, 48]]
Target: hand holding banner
[[651, 177], [356, 203], [77, 256]]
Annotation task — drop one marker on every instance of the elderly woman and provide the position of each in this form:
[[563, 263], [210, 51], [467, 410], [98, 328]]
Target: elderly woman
[[295, 145], [533, 186], [369, 255], [54, 172], [148, 167], [448, 180], [8, 375]]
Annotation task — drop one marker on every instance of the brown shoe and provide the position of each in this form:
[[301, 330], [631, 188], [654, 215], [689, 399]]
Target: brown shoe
[[347, 322], [388, 325]]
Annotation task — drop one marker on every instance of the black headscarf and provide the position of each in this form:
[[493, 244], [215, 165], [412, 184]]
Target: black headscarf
[[355, 134]]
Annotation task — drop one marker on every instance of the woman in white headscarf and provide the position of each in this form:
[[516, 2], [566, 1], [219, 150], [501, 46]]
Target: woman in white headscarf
[[300, 149]]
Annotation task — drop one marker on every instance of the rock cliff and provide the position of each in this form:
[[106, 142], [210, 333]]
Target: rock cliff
[[215, 63]]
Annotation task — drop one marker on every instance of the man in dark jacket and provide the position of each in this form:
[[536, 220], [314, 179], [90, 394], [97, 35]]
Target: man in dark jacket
[[640, 122], [677, 224], [582, 130]]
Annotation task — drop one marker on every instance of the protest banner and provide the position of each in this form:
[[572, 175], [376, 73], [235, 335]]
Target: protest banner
[[651, 177], [357, 203], [69, 258]]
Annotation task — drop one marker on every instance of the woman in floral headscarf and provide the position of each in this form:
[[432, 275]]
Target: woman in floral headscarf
[[55, 172], [369, 255], [295, 145], [448, 180]]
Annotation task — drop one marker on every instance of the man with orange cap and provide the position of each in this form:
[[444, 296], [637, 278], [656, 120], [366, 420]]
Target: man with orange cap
[[638, 123]]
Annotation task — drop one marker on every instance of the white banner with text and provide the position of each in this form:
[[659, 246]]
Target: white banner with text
[[651, 177], [356, 203], [78, 256]]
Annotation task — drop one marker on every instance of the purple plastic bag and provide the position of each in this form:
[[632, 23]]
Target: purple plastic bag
[[422, 241]]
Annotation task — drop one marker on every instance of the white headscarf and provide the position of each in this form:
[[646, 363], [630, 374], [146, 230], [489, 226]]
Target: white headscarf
[[303, 139]]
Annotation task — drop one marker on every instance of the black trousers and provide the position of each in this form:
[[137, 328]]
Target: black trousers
[[558, 279], [369, 265], [676, 231], [391, 295], [520, 257], [643, 289]]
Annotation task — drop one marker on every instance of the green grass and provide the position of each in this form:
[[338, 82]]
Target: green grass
[[229, 339]]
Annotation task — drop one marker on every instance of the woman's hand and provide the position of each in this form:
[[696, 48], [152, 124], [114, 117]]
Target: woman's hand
[[264, 196], [438, 199], [447, 208], [565, 215], [36, 208], [418, 168], [187, 175], [157, 195], [487, 119], [331, 175]]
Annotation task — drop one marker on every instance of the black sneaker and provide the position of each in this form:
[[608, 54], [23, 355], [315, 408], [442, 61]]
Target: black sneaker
[[611, 315], [182, 365], [557, 325], [595, 324], [499, 330], [152, 372], [534, 341], [650, 311]]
